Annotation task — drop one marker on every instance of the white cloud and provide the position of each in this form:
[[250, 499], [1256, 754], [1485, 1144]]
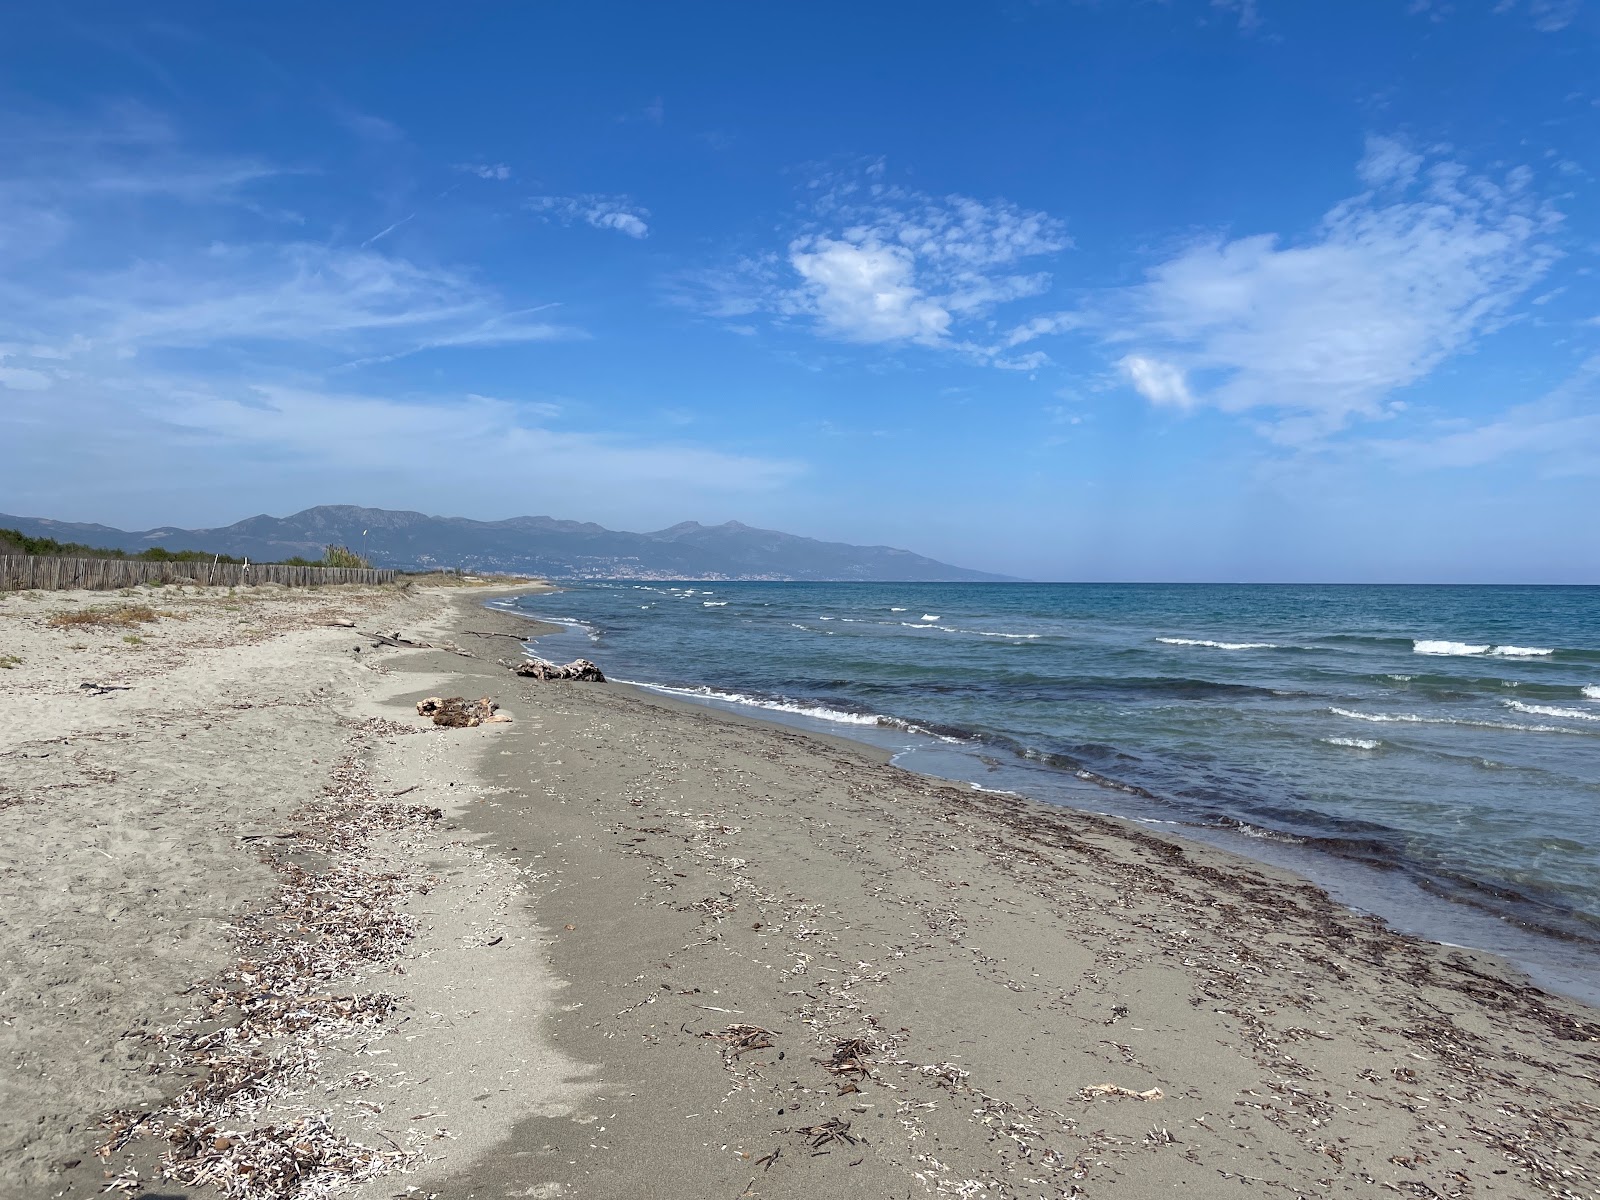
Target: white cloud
[[497, 171], [866, 292], [1381, 293], [884, 265], [603, 212], [1158, 382]]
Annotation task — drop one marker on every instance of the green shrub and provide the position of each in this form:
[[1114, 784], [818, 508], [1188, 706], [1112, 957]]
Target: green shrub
[[343, 556]]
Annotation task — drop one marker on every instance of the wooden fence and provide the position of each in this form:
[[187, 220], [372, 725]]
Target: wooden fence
[[26, 571]]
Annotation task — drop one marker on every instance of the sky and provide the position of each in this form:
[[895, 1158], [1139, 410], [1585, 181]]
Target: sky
[[1236, 290]]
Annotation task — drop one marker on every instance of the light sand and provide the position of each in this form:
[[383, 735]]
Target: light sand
[[667, 953]]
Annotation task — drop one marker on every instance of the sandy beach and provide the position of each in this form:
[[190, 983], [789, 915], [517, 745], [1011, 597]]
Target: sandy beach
[[267, 932]]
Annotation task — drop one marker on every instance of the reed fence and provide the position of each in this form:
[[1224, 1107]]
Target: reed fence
[[19, 571]]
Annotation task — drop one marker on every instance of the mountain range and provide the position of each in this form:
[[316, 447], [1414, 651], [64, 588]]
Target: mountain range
[[543, 546]]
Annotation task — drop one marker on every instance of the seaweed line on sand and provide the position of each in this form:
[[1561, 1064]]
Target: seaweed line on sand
[[255, 1036]]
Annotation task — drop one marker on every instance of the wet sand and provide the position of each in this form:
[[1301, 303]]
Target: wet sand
[[646, 949]]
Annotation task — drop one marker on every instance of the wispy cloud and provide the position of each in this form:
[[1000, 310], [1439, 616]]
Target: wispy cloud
[[199, 352], [256, 444], [1323, 328], [1547, 16], [603, 212], [306, 295], [1561, 430], [497, 171]]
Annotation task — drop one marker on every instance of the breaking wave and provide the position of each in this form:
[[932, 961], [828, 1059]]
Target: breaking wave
[[1354, 743], [1435, 646], [1414, 719], [1546, 710], [1175, 641]]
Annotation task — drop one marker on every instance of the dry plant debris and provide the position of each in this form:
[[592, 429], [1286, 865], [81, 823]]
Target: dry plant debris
[[459, 713], [110, 616], [256, 1032]]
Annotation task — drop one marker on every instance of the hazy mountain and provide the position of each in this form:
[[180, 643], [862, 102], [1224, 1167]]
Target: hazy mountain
[[537, 545]]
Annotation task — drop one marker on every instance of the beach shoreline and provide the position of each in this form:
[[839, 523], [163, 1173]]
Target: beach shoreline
[[651, 949]]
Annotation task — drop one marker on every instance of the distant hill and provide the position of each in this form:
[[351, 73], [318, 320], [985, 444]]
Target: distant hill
[[534, 545]]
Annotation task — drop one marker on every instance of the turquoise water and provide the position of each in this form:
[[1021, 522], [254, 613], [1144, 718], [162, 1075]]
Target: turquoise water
[[1430, 753]]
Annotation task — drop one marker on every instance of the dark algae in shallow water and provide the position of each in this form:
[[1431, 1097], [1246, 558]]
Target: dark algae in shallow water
[[1448, 736]]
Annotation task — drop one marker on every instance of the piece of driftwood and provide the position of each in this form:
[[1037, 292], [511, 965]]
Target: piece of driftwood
[[394, 639], [580, 669]]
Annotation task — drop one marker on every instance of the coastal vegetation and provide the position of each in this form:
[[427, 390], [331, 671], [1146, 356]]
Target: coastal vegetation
[[14, 541], [106, 616]]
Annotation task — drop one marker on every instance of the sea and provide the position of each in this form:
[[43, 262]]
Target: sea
[[1430, 755]]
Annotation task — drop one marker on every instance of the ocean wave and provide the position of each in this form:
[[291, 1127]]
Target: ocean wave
[[930, 616], [818, 711], [1414, 719], [1434, 646], [1546, 710], [1464, 649], [1353, 743], [897, 610], [1174, 641], [1592, 691], [568, 623], [713, 604], [989, 633]]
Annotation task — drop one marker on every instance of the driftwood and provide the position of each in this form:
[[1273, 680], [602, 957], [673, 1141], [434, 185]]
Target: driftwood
[[580, 669], [394, 639], [486, 633]]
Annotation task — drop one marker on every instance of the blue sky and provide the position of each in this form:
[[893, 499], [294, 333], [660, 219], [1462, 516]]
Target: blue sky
[[1243, 290]]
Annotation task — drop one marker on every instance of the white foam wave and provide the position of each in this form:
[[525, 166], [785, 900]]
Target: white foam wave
[[1546, 710], [1354, 743], [974, 632], [930, 616], [569, 623], [817, 711], [713, 604], [897, 610], [1440, 646], [1218, 645], [1592, 691], [1433, 646], [1414, 719]]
